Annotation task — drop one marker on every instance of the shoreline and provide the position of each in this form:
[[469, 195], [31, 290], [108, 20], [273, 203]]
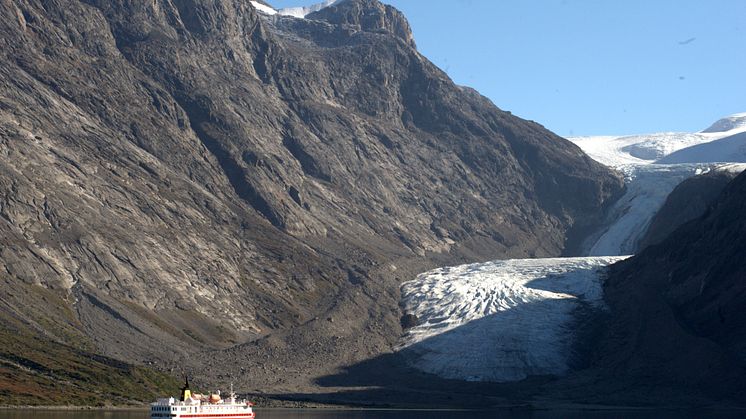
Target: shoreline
[[74, 408], [291, 405]]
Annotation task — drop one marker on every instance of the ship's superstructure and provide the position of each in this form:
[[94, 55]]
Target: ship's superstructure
[[199, 406]]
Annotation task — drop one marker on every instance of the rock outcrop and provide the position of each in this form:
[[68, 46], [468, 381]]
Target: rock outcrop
[[689, 200], [190, 176]]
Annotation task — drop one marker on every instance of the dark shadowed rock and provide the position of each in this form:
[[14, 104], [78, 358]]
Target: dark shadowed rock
[[408, 321], [689, 200]]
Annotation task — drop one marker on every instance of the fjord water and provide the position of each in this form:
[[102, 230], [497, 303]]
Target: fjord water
[[402, 414]]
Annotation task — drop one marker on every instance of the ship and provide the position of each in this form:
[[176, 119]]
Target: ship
[[200, 406]]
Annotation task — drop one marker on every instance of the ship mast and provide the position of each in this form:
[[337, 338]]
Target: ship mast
[[185, 391]]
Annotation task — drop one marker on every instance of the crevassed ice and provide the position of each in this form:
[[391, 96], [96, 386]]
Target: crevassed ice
[[501, 320]]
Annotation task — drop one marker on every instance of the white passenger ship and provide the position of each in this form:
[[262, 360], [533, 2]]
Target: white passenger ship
[[198, 406]]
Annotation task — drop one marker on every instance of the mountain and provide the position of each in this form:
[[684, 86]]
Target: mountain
[[198, 186], [671, 335], [677, 321], [617, 151], [735, 122]]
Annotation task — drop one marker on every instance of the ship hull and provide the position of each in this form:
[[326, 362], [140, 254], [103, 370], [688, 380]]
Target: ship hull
[[203, 415]]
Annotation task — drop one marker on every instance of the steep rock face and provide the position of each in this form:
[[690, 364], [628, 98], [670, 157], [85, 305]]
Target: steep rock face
[[369, 16], [689, 200], [190, 175], [677, 310]]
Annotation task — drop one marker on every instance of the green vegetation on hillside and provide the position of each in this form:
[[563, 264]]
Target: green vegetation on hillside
[[35, 371], [37, 368]]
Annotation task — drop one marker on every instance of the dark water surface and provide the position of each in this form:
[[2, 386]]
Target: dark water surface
[[402, 414]]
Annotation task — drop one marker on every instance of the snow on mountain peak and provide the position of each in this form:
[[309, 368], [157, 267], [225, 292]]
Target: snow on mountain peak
[[729, 123], [299, 12], [302, 12], [267, 10], [618, 151]]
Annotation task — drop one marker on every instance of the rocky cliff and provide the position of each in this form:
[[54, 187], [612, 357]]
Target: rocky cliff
[[179, 178], [689, 200]]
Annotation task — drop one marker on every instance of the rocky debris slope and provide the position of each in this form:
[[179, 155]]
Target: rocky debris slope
[[191, 176]]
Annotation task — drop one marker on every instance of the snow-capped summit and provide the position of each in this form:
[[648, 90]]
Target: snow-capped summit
[[729, 123], [302, 12], [299, 12], [263, 8], [618, 151], [731, 149]]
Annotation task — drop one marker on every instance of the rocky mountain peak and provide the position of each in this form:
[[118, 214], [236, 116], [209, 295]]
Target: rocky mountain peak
[[369, 16]]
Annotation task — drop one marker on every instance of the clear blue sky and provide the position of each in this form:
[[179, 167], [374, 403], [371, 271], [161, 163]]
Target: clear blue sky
[[584, 67]]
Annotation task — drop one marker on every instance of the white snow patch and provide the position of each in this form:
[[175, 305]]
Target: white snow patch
[[731, 167], [263, 8], [501, 320], [302, 12], [298, 12], [640, 149]]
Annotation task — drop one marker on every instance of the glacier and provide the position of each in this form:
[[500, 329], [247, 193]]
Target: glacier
[[507, 320], [501, 320]]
